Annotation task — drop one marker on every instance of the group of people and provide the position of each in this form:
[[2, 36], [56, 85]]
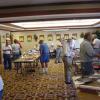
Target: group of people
[[89, 48], [65, 50], [11, 51]]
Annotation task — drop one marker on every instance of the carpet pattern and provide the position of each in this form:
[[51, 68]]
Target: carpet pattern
[[37, 86]]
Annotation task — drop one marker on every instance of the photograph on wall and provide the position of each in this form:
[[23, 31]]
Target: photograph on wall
[[41, 37], [3, 39], [74, 35], [7, 35], [58, 36], [50, 37], [29, 38], [66, 36], [21, 38]]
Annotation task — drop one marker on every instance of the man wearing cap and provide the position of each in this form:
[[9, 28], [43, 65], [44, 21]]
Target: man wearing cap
[[7, 51]]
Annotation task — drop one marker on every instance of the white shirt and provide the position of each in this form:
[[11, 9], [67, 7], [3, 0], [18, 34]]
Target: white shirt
[[15, 48], [67, 49], [1, 83], [96, 43], [7, 49]]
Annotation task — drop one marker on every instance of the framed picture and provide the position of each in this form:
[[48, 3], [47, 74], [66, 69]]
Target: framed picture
[[21, 38], [50, 37], [66, 36], [29, 38], [58, 36], [7, 35], [3, 38], [41, 37], [74, 35]]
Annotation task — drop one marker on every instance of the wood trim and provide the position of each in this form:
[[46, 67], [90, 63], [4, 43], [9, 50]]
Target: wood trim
[[53, 4], [49, 12], [49, 19]]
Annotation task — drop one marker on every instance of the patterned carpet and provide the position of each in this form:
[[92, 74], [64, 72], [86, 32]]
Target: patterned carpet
[[36, 86]]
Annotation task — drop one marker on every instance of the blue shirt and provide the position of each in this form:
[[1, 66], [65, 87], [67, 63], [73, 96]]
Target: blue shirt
[[44, 49]]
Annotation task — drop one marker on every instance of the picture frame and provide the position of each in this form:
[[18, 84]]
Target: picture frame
[[29, 38], [58, 37], [66, 36], [50, 37], [21, 38], [41, 37], [74, 35]]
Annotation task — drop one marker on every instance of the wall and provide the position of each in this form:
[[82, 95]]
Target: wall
[[29, 45], [3, 35]]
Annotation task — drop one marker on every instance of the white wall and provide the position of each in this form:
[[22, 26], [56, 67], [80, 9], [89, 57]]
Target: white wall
[[3, 35]]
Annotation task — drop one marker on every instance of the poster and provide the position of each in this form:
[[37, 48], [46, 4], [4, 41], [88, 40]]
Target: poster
[[66, 36], [74, 35], [50, 37], [21, 38], [29, 38], [41, 37], [58, 36]]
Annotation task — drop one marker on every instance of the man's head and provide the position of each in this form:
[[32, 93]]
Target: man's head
[[94, 36], [41, 41], [7, 41], [88, 36]]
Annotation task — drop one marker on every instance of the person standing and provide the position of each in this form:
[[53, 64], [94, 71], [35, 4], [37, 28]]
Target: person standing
[[1, 87], [68, 53], [16, 49], [86, 55], [96, 44], [44, 56], [58, 53], [7, 52]]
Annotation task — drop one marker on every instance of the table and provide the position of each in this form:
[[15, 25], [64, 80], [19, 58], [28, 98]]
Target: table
[[25, 64]]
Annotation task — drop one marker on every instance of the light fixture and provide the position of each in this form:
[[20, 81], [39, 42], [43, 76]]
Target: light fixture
[[56, 30], [40, 24]]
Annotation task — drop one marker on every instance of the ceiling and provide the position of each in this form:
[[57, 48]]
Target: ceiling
[[46, 10], [9, 3]]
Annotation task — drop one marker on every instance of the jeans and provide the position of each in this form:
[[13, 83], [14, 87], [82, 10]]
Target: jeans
[[1, 94], [16, 56], [87, 68], [7, 61], [67, 65]]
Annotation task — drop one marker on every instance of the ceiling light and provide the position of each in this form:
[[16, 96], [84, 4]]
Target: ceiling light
[[40, 24]]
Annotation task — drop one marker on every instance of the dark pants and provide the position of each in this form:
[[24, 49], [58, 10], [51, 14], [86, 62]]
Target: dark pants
[[1, 94], [87, 68], [16, 56], [7, 61]]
